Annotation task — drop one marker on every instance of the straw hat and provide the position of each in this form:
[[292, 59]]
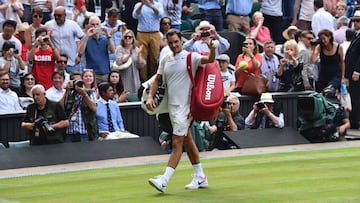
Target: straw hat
[[22, 27], [356, 14], [285, 33], [266, 98], [204, 24]]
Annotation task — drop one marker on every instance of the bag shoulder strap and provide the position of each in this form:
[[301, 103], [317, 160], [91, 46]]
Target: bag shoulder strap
[[189, 68]]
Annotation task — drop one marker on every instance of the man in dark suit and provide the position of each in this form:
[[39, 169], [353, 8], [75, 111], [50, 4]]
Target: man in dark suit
[[352, 72]]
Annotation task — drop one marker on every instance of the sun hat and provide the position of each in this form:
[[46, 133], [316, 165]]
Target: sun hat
[[285, 33], [266, 98], [356, 14], [204, 24], [22, 26]]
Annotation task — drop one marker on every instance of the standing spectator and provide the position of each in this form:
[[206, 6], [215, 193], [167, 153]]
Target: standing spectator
[[108, 113], [45, 6], [79, 12], [341, 27], [290, 68], [306, 9], [259, 31], [96, 44], [290, 32], [56, 92], [172, 10], [37, 16], [186, 10], [9, 101], [120, 95], [128, 7], [272, 11], [27, 12], [332, 66], [250, 55], [265, 114], [237, 13], [79, 102], [269, 65], [44, 110], [340, 9], [11, 63], [321, 18], [2, 17], [210, 10], [204, 33], [149, 13], [305, 50], [9, 28], [21, 28], [64, 34], [115, 28], [179, 108], [42, 56], [14, 10], [227, 76], [128, 52], [349, 35], [352, 64]]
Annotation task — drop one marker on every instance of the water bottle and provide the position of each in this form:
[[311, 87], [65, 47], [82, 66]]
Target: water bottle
[[343, 89]]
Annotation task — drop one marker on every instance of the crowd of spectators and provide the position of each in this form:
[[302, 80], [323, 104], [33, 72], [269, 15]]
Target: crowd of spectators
[[66, 55]]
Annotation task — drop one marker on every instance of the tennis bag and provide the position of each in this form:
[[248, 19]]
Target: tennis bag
[[207, 90]]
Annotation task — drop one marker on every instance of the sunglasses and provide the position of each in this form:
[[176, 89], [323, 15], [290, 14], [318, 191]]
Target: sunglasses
[[61, 61], [38, 16], [58, 15], [310, 38], [166, 23], [29, 78], [128, 37], [356, 20]]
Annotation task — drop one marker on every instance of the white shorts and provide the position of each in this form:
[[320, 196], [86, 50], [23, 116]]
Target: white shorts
[[179, 118]]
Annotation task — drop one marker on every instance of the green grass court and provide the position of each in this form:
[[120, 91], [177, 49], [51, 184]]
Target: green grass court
[[308, 176]]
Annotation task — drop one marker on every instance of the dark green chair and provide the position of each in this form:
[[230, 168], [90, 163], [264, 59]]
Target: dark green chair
[[186, 26], [196, 13]]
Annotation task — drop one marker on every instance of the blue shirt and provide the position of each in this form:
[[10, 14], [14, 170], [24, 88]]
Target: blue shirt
[[148, 21], [210, 4], [242, 7], [116, 37], [221, 44], [97, 56], [101, 115]]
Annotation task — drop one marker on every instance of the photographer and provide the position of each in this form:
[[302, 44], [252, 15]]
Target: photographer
[[79, 102], [11, 62], [228, 119], [45, 120], [265, 114]]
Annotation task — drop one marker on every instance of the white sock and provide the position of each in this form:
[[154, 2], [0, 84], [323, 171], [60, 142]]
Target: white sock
[[168, 173], [198, 170]]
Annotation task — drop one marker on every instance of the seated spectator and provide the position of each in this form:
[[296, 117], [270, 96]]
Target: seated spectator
[[27, 82], [9, 101], [202, 35], [227, 75], [56, 92], [25, 94], [120, 95], [249, 62], [265, 114], [289, 71], [128, 52], [228, 119], [290, 32], [259, 31], [79, 102], [44, 120], [269, 66], [42, 56], [109, 119], [11, 62]]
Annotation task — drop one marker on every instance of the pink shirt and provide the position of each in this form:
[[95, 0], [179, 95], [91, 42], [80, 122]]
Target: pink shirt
[[263, 34]]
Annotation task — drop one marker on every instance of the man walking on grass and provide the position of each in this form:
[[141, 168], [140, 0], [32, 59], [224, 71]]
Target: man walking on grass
[[174, 69]]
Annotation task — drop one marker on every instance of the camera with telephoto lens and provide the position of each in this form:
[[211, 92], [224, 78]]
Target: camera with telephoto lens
[[226, 103], [43, 123], [260, 105]]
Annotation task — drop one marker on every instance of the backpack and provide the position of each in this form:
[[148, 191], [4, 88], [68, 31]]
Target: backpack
[[207, 91]]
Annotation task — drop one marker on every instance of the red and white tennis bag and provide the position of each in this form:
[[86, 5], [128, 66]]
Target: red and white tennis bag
[[207, 91]]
